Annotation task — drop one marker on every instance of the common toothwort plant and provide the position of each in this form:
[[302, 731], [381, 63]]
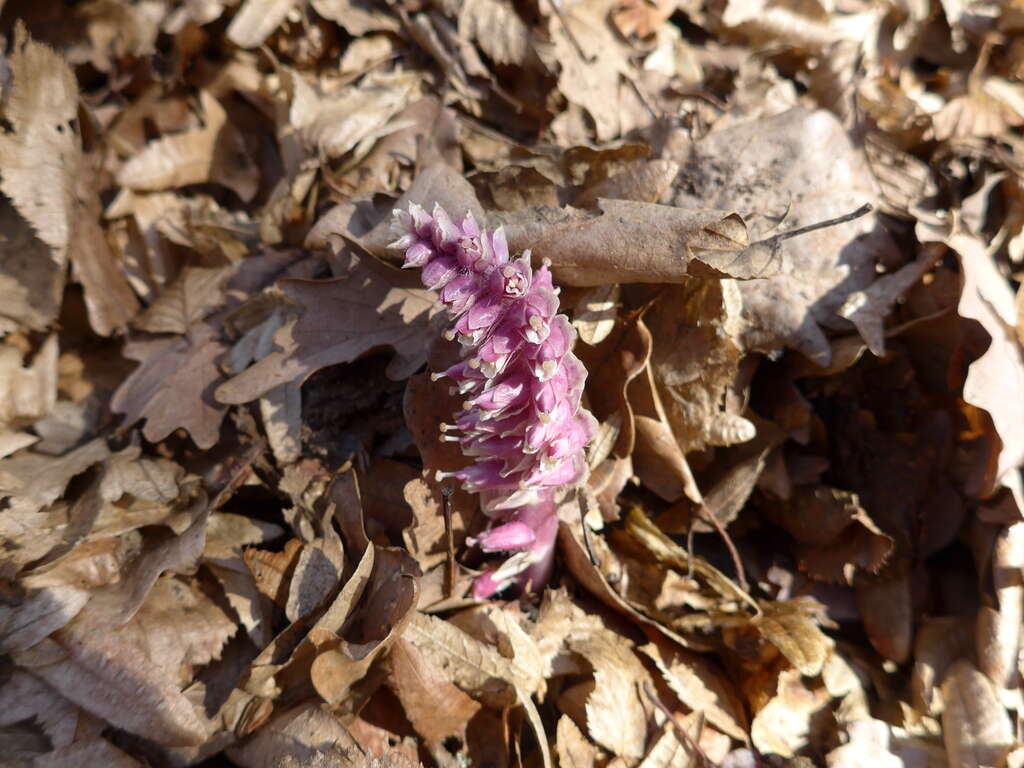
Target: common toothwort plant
[[521, 419]]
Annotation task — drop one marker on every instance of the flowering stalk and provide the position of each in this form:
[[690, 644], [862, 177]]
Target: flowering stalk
[[521, 419]]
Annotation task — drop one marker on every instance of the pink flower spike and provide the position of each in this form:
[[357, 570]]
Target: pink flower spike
[[522, 421]]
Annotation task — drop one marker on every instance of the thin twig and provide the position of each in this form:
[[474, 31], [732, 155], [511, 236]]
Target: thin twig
[[446, 495], [582, 501], [677, 726], [862, 211], [741, 575]]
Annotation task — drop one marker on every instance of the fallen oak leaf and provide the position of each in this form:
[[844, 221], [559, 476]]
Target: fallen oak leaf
[[344, 319]]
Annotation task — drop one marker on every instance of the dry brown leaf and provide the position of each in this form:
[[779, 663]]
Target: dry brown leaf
[[178, 628], [801, 168], [867, 308], [186, 301], [335, 124], [990, 106], [256, 20], [214, 153], [496, 27], [632, 242], [868, 745], [642, 17], [303, 733], [344, 319], [837, 536], [173, 386], [27, 393], [108, 676], [583, 30], [357, 16], [700, 686], [792, 627], [975, 727], [26, 698], [783, 725], [35, 481], [988, 299], [998, 630], [436, 708], [574, 751], [616, 718], [939, 643], [40, 151]]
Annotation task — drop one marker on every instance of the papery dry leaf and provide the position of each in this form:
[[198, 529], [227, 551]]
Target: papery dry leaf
[[592, 83], [939, 643], [344, 319], [173, 386], [644, 181], [988, 299], [301, 733], [868, 745], [35, 481], [314, 577], [179, 628], [990, 106], [256, 20], [615, 714], [214, 153], [496, 27], [801, 166], [998, 631], [334, 124], [975, 727], [27, 393], [26, 698], [792, 627], [574, 751], [700, 686], [40, 151], [272, 570], [783, 725], [357, 16], [111, 678], [41, 613], [672, 750], [631, 242], [436, 708], [186, 301], [867, 308], [838, 537], [642, 17]]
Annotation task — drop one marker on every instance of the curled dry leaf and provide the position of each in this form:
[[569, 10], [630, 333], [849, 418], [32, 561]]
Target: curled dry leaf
[[632, 242]]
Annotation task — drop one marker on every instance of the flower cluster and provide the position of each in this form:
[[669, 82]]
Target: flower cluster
[[521, 419]]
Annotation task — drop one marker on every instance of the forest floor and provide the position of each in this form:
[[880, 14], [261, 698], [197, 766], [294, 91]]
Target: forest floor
[[800, 538]]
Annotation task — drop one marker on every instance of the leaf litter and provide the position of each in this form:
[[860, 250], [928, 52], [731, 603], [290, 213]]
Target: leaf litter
[[223, 536]]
